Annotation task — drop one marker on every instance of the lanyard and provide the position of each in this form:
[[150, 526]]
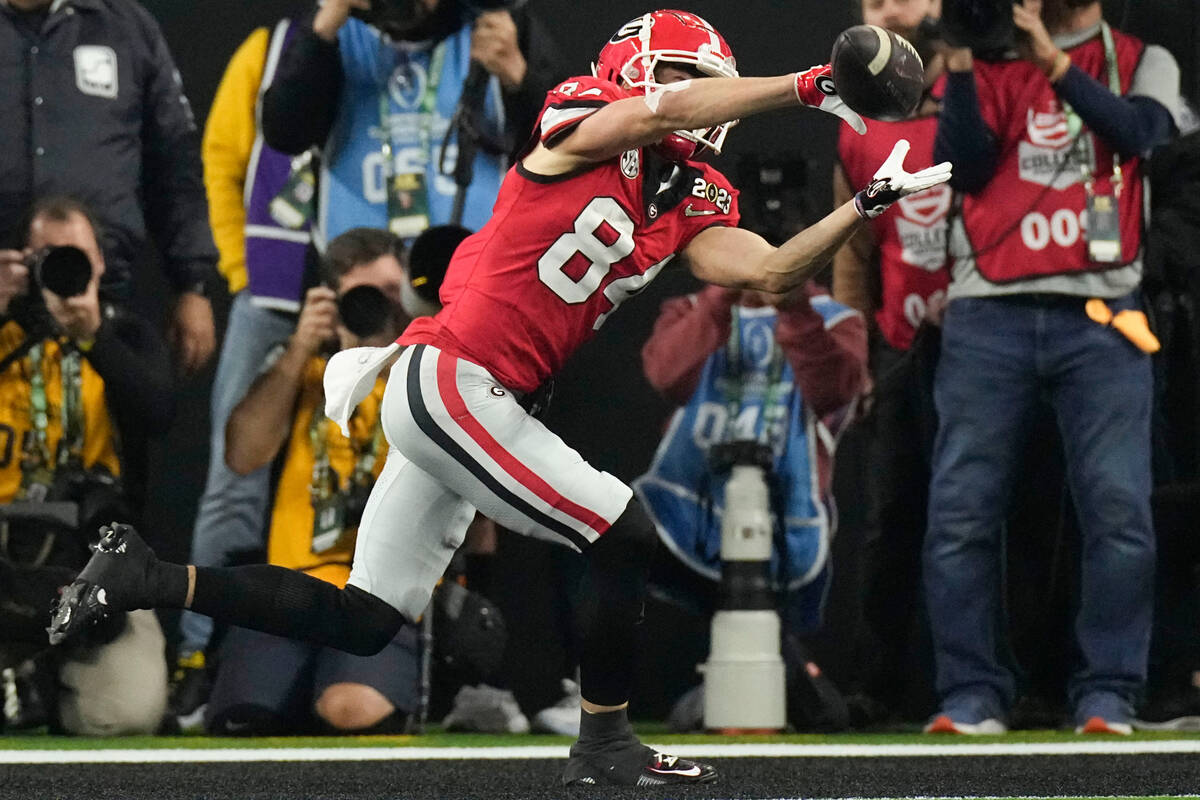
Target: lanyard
[[426, 110], [772, 393], [70, 446], [365, 454], [1075, 123]]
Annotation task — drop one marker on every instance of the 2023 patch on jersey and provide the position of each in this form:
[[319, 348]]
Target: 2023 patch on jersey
[[560, 253]]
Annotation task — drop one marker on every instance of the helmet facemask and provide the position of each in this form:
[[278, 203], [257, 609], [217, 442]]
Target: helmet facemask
[[636, 44]]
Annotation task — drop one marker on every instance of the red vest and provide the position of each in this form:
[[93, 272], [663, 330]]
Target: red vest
[[1029, 220], [912, 233]]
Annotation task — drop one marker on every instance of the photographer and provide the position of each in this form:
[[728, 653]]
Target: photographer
[[82, 387], [93, 108], [783, 370], [1046, 263], [392, 91], [894, 272], [263, 681]]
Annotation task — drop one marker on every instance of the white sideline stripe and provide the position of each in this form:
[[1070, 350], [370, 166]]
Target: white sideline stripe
[[200, 755]]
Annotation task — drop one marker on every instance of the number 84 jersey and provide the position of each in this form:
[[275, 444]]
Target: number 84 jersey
[[560, 253]]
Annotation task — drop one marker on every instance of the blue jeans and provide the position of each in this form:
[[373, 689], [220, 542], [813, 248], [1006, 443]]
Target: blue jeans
[[998, 356], [233, 508]]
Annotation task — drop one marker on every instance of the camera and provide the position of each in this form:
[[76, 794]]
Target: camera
[[985, 26], [365, 311], [57, 529], [410, 19], [66, 270]]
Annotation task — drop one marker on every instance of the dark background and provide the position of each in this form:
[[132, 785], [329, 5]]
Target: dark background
[[602, 406]]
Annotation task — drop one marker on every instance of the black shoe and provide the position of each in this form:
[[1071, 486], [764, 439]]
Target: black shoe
[[115, 579], [632, 764], [191, 685]]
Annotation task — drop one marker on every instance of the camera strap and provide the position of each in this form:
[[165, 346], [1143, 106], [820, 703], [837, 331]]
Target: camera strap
[[408, 192], [37, 466], [766, 426], [329, 499]]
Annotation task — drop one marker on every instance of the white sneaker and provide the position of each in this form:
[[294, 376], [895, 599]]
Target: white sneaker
[[562, 717], [485, 709], [988, 727]]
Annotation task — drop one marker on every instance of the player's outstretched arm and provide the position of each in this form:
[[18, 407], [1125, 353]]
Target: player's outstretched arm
[[686, 105], [741, 259]]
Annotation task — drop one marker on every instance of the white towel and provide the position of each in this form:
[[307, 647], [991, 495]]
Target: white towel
[[350, 377]]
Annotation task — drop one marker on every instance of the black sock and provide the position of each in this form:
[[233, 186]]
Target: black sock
[[610, 607], [607, 726], [284, 602]]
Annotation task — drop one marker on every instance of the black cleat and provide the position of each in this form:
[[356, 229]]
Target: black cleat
[[114, 580], [633, 764]]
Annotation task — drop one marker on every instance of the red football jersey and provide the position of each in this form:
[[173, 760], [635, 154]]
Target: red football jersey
[[912, 233], [561, 252]]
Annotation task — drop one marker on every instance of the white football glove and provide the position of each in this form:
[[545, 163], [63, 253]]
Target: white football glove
[[891, 182], [814, 87]]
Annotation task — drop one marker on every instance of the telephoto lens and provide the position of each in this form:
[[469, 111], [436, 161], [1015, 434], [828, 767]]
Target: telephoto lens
[[985, 26], [365, 311], [66, 270]]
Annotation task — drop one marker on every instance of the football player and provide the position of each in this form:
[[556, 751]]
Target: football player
[[607, 194]]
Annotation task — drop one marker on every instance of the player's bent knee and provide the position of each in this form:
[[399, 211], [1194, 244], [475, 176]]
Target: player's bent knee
[[353, 706], [632, 538], [376, 622]]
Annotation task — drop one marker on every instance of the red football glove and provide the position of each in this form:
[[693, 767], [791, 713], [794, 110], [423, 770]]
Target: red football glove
[[815, 88]]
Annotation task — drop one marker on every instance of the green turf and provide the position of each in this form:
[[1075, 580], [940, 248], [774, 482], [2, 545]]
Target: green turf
[[657, 734]]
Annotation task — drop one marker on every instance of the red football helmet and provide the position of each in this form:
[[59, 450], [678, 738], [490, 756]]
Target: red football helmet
[[680, 37]]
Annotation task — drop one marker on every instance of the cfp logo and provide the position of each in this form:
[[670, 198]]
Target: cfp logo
[[1048, 128], [927, 207], [96, 70], [407, 85]]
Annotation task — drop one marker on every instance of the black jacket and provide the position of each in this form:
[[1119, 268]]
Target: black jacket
[[92, 107]]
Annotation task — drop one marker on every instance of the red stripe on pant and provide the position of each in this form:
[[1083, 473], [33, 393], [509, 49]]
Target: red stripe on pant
[[448, 390]]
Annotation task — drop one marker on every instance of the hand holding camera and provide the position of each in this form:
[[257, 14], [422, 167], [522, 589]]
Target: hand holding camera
[[318, 321], [494, 45], [1035, 45], [333, 15], [14, 276]]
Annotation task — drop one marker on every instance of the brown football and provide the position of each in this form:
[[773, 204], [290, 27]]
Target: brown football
[[877, 73]]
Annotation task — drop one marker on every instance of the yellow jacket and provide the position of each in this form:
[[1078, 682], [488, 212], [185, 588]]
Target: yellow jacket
[[228, 142], [290, 542], [16, 421]]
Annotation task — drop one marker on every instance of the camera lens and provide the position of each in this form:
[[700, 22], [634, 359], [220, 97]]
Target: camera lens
[[66, 271], [986, 26], [365, 311]]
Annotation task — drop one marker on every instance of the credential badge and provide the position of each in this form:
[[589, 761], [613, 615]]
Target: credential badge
[[96, 70]]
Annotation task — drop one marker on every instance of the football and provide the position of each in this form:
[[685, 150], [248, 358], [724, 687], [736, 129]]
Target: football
[[877, 73]]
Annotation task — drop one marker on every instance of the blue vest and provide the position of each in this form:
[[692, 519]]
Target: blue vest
[[275, 255], [746, 391], [353, 191]]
